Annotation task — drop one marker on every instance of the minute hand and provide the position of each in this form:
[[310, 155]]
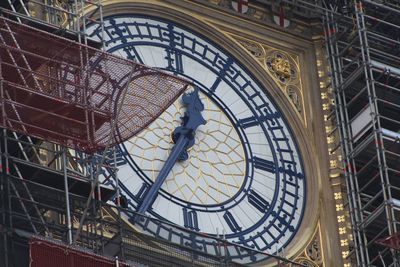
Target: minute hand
[[183, 137]]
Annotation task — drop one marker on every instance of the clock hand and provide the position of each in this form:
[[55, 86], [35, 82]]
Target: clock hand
[[183, 137]]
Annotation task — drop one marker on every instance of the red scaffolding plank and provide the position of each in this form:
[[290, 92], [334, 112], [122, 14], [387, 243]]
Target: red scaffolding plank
[[68, 93], [43, 253], [392, 241]]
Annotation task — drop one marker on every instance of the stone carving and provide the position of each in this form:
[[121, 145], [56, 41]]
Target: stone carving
[[306, 262], [313, 250], [281, 67], [254, 48], [293, 92], [312, 254]]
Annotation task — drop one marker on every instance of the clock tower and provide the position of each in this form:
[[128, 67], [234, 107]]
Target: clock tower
[[242, 169], [257, 170]]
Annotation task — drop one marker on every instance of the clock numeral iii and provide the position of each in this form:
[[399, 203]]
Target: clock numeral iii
[[190, 219], [265, 165]]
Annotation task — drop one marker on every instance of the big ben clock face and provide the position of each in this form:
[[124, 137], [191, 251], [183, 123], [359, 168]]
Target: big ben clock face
[[243, 174]]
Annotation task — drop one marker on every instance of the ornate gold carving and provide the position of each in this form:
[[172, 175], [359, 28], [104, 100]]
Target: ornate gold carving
[[57, 15], [333, 141], [254, 48], [283, 68], [312, 255], [306, 262], [285, 71], [294, 93], [313, 250]]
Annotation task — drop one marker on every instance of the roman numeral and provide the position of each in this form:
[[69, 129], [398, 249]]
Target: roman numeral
[[225, 68], [233, 225], [190, 219], [142, 192], [119, 158], [257, 201], [265, 165], [253, 121], [178, 62], [174, 60], [132, 54], [174, 57], [249, 122]]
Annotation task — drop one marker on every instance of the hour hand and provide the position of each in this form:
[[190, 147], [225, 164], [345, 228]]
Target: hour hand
[[183, 137]]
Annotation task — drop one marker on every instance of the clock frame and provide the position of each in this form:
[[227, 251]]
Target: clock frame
[[197, 18]]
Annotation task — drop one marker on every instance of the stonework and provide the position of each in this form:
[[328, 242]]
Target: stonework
[[287, 63], [282, 66]]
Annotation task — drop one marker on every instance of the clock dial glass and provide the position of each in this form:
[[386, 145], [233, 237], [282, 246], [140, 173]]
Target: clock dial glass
[[244, 176], [216, 169]]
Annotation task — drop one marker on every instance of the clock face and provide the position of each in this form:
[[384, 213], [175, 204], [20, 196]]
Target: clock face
[[244, 175]]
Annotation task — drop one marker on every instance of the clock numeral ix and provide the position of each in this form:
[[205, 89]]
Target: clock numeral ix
[[190, 219]]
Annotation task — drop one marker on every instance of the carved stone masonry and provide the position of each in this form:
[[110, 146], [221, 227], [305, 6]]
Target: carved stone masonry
[[254, 48], [312, 254], [283, 68]]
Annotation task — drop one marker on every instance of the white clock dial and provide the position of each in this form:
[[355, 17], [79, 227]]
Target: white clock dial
[[216, 169], [243, 174]]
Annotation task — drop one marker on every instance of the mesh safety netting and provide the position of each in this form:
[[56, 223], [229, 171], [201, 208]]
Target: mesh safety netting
[[43, 253], [68, 93]]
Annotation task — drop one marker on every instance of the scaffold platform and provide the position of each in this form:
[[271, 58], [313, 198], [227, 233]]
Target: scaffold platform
[[69, 93]]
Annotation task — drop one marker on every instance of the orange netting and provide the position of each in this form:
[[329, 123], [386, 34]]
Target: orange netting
[[65, 92]]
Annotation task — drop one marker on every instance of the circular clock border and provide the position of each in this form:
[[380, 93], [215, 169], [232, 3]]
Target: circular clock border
[[302, 139], [238, 197]]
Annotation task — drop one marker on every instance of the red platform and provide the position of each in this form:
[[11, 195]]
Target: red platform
[[43, 253], [68, 93], [392, 241]]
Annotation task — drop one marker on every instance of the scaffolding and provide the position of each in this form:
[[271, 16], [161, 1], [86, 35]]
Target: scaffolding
[[364, 53], [363, 49], [62, 99]]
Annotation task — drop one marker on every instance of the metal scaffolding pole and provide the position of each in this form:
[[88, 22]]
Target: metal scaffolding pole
[[67, 202], [362, 47], [361, 55]]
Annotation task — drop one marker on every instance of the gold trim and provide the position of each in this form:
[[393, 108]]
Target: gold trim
[[282, 66], [334, 153], [213, 24]]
